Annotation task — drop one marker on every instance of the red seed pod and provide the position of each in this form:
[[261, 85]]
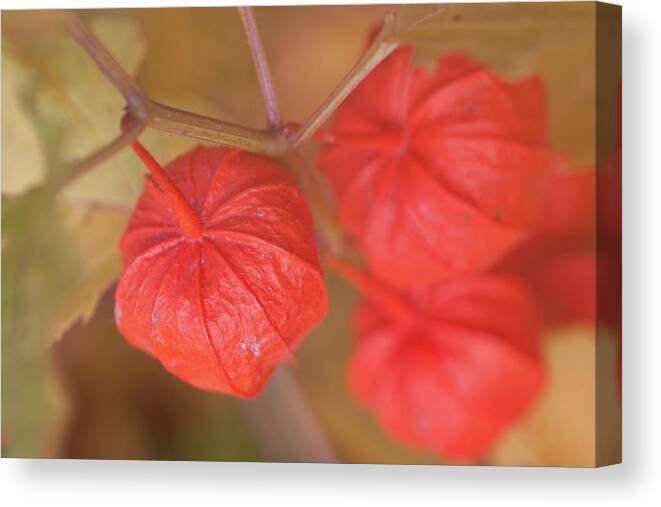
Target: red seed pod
[[559, 258], [437, 173], [222, 278], [447, 367]]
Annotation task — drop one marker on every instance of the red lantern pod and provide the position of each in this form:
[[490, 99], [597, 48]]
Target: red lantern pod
[[559, 258], [222, 278], [447, 367], [437, 173]]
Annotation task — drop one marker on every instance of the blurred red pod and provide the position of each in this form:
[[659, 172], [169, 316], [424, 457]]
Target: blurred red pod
[[447, 367], [222, 277], [437, 173], [610, 190], [559, 256]]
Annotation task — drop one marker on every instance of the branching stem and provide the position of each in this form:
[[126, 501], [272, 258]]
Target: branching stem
[[143, 109], [105, 153], [205, 128], [274, 141], [383, 45], [261, 66], [136, 100]]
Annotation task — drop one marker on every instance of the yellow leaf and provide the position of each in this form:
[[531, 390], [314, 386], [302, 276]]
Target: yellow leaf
[[23, 164], [83, 103], [95, 233]]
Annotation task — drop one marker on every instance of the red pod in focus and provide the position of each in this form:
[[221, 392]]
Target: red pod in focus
[[222, 277], [437, 173]]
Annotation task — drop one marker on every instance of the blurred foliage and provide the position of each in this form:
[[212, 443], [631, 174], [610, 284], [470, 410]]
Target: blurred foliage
[[59, 246], [50, 279], [93, 230], [38, 265], [23, 143]]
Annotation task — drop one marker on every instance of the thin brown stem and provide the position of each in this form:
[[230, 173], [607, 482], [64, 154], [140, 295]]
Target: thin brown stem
[[383, 45], [273, 120], [142, 108], [273, 141], [103, 154], [204, 128], [136, 100]]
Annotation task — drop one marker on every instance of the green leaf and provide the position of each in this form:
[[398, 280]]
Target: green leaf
[[59, 252], [76, 111], [38, 264]]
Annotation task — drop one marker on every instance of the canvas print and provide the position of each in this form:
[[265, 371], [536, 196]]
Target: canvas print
[[325, 234]]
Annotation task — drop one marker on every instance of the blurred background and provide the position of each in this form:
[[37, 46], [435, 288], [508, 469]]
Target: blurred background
[[73, 388]]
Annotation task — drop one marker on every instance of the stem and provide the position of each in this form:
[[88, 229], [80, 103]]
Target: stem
[[103, 154], [187, 218], [168, 119], [136, 100], [284, 425], [386, 299], [265, 82], [205, 128], [383, 45], [275, 141]]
